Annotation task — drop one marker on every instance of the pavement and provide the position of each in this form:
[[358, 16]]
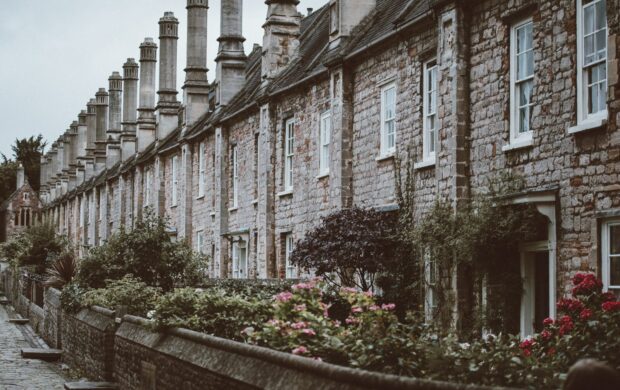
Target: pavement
[[17, 373]]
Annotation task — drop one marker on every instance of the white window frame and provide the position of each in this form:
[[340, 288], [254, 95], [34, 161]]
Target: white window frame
[[386, 148], [430, 298], [289, 154], [235, 175], [515, 136], [238, 248], [587, 120], [175, 181], [606, 255], [202, 170], [428, 152], [147, 187], [289, 244], [200, 241], [325, 129]]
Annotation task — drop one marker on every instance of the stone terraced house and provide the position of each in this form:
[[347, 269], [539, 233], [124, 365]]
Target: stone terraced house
[[314, 120]]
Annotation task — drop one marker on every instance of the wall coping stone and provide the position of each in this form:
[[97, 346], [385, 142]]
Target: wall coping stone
[[344, 375]]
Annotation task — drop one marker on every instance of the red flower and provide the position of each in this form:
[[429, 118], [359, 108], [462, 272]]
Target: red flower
[[611, 306], [569, 305], [566, 325], [578, 278], [586, 284], [585, 314], [548, 321], [527, 344], [527, 352], [545, 334], [551, 351], [608, 297]]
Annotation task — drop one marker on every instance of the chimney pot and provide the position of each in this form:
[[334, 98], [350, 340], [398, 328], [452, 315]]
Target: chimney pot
[[20, 176]]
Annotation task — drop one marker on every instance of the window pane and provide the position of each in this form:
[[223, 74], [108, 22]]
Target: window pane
[[601, 15], [614, 271], [614, 239], [524, 120], [601, 44], [588, 46], [431, 140], [588, 19], [525, 93]]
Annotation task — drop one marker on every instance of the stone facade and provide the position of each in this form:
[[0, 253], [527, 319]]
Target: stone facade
[[318, 64], [21, 210]]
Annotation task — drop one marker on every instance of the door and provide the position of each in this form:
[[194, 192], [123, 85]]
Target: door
[[536, 298]]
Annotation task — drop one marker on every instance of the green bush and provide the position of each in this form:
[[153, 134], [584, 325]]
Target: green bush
[[37, 247], [148, 253], [128, 293], [213, 311]]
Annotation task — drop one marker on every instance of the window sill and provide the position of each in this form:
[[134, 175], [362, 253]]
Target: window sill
[[589, 124], [385, 157], [201, 197], [285, 193], [255, 202], [233, 209], [322, 176], [515, 145], [212, 214], [424, 164]]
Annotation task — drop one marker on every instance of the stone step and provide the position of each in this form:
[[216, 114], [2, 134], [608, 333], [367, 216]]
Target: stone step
[[90, 385], [46, 354], [18, 321], [4, 301]]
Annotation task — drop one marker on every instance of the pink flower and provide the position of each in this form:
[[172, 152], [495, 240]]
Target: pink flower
[[300, 350], [317, 359], [301, 307], [299, 325], [389, 306], [356, 309], [548, 321], [349, 290], [309, 332], [303, 286], [368, 293], [374, 308], [284, 296], [351, 320]]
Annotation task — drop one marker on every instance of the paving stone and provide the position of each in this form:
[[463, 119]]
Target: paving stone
[[18, 373]]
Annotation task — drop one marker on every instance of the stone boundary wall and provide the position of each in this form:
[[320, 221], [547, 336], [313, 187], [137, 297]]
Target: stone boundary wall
[[136, 357], [181, 358], [52, 326], [88, 342]]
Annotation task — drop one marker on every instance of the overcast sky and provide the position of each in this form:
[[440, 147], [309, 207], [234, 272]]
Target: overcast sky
[[55, 54]]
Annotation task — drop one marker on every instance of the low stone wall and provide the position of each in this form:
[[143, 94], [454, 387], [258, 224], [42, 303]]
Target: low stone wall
[[183, 359], [36, 315], [52, 326], [88, 342]]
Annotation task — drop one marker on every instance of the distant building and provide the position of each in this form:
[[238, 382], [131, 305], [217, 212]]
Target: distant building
[[21, 210]]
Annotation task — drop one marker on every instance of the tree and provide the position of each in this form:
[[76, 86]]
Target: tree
[[28, 151], [353, 244], [8, 174]]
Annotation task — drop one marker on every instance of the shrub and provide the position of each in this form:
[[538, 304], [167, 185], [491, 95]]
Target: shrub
[[62, 271], [148, 253], [259, 289], [129, 294], [354, 244], [36, 247], [213, 311]]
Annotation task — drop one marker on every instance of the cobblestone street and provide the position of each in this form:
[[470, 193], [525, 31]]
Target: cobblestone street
[[17, 373]]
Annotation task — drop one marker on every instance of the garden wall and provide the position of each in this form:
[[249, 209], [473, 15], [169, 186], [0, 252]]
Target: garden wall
[[88, 342], [185, 359], [136, 357]]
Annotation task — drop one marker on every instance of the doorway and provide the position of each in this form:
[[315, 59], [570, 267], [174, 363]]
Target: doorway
[[536, 301]]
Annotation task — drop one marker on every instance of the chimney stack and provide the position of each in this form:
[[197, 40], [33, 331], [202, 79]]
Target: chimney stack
[[113, 147], [21, 176], [167, 106], [91, 128], [231, 59], [102, 106], [130, 105], [146, 119], [195, 89], [281, 37], [345, 15]]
